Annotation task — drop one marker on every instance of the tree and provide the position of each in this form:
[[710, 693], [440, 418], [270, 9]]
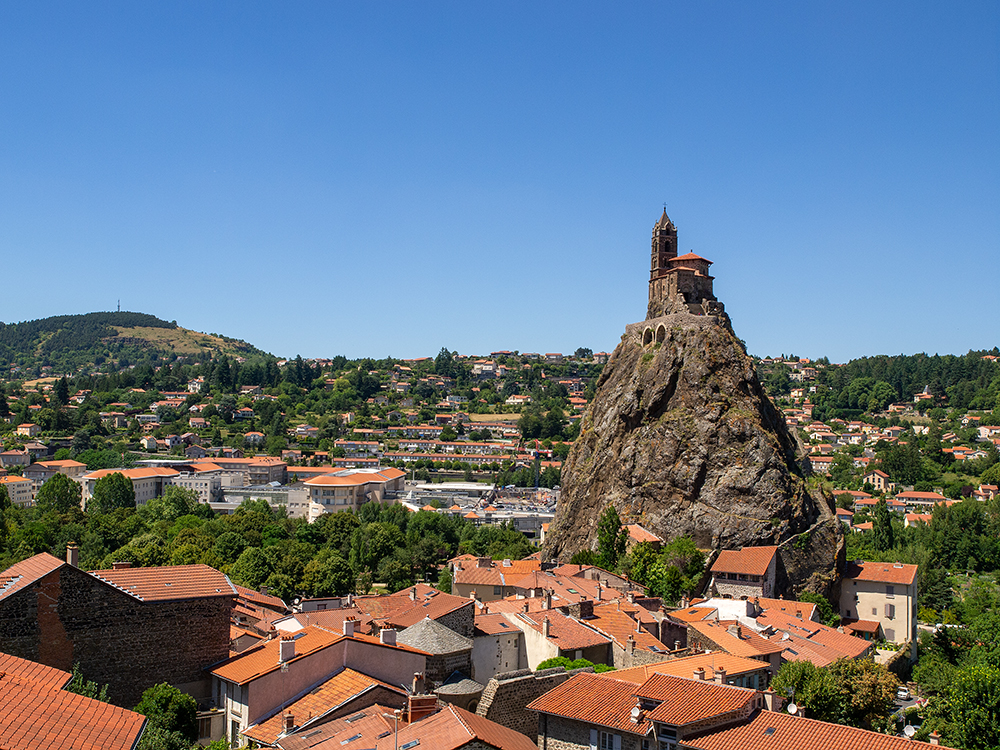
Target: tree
[[826, 612], [251, 568], [59, 493], [61, 391], [444, 581], [882, 527], [88, 688], [583, 353], [173, 718], [975, 708], [612, 537], [328, 574], [110, 492]]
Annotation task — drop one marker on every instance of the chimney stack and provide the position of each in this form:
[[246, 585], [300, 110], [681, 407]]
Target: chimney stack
[[631, 596], [699, 673], [935, 738], [289, 722], [418, 683], [631, 644], [771, 700], [720, 675], [349, 627], [546, 624], [286, 649], [413, 594], [547, 600], [684, 602], [73, 554], [387, 636], [123, 565], [677, 645]]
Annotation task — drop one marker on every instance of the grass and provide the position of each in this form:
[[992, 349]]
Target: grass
[[493, 417], [178, 340]]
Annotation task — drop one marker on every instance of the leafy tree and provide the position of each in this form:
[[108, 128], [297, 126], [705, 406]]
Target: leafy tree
[[88, 688], [61, 391], [59, 493], [583, 353], [329, 574], [612, 538], [585, 557], [251, 568], [172, 716], [110, 492], [882, 527], [5, 503], [827, 613], [444, 581]]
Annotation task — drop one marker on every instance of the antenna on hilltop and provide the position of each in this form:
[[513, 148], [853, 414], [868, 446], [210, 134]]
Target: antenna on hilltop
[[120, 302]]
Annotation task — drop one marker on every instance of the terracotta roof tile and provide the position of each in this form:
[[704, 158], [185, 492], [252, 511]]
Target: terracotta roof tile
[[566, 633], [344, 686], [22, 574], [169, 582], [686, 700], [881, 572], [777, 731], [685, 666], [752, 561]]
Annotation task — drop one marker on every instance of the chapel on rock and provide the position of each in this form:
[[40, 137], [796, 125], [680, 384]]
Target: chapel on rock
[[678, 283]]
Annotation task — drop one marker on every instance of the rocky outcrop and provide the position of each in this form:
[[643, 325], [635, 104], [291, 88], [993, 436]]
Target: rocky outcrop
[[682, 438]]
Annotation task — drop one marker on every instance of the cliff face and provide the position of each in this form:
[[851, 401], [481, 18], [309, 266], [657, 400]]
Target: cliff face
[[682, 439]]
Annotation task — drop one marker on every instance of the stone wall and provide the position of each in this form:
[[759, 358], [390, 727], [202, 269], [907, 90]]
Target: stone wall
[[558, 733], [462, 620], [440, 666], [69, 616], [506, 696]]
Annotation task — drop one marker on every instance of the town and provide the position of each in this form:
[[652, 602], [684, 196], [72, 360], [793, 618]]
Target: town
[[228, 551]]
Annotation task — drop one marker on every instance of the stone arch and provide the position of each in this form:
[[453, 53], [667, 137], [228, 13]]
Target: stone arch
[[661, 334], [647, 337]]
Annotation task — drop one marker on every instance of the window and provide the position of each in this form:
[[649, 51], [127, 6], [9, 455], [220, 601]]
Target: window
[[205, 728], [610, 741], [890, 591], [497, 590], [890, 610]]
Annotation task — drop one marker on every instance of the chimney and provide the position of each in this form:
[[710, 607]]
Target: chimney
[[684, 602], [699, 673], [387, 636], [771, 700], [289, 722], [677, 645], [598, 591], [935, 738], [349, 627], [547, 600], [418, 683], [631, 596], [546, 624], [413, 594], [350, 600], [484, 562], [420, 706], [73, 554], [123, 565], [631, 644], [458, 565], [734, 630], [720, 675], [525, 606], [472, 595], [286, 649]]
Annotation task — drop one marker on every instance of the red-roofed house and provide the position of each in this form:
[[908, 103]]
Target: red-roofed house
[[745, 573], [882, 592]]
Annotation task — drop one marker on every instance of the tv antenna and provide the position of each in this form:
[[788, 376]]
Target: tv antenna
[[119, 305]]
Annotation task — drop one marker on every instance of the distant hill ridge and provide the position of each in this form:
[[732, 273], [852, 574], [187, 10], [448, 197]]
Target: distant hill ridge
[[68, 342]]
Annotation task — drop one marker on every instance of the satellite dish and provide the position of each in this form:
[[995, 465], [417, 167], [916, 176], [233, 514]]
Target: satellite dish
[[792, 708], [909, 731], [636, 713]]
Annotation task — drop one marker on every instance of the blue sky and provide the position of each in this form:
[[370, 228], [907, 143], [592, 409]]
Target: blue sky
[[377, 179]]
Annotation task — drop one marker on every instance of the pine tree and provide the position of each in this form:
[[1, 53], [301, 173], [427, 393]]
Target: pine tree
[[882, 526]]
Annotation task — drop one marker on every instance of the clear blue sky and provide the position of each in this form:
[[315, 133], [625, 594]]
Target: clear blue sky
[[389, 178]]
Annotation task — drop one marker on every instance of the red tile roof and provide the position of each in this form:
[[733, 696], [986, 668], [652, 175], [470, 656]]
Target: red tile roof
[[497, 574], [752, 561], [639, 534], [22, 574], [686, 665], [493, 624], [618, 622], [881, 572], [402, 610], [769, 730], [37, 715], [686, 700], [169, 582], [344, 686], [747, 643], [566, 633], [453, 728], [262, 600], [363, 727], [45, 676]]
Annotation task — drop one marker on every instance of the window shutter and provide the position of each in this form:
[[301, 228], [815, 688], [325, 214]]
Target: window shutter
[[618, 742], [593, 739], [890, 610]]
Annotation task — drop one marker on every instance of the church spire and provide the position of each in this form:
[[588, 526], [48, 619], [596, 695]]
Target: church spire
[[664, 220]]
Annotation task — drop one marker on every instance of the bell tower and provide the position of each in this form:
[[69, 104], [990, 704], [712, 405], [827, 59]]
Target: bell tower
[[664, 245]]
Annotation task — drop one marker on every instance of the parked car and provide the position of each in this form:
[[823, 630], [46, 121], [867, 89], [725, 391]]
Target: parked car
[[903, 693]]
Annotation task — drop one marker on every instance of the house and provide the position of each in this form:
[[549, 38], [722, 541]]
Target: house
[[883, 592], [745, 573], [350, 489], [29, 429], [40, 713], [127, 627], [488, 579], [146, 482], [550, 633], [877, 479], [257, 684], [41, 471], [253, 438], [19, 489]]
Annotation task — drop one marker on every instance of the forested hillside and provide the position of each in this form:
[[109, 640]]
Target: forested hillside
[[69, 343]]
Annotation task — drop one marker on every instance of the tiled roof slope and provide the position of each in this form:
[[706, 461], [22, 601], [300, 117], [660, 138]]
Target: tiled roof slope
[[686, 665], [749, 560], [685, 700], [776, 731], [263, 658], [497, 574], [877, 572], [747, 643], [567, 633], [453, 728], [36, 716], [328, 696], [595, 699], [362, 728], [45, 676], [26, 572], [261, 600], [169, 582], [615, 621]]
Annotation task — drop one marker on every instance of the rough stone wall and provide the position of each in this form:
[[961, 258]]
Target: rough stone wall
[[623, 658], [440, 666], [69, 616], [558, 733], [506, 696], [462, 620]]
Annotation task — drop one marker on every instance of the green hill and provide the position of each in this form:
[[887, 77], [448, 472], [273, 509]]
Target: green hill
[[71, 343]]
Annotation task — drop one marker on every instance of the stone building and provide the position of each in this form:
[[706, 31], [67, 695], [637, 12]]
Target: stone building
[[885, 593], [745, 574], [128, 628], [677, 283], [449, 651]]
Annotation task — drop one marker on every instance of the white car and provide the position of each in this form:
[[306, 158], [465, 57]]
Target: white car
[[903, 693]]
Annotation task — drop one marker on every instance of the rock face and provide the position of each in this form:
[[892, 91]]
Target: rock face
[[682, 439]]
